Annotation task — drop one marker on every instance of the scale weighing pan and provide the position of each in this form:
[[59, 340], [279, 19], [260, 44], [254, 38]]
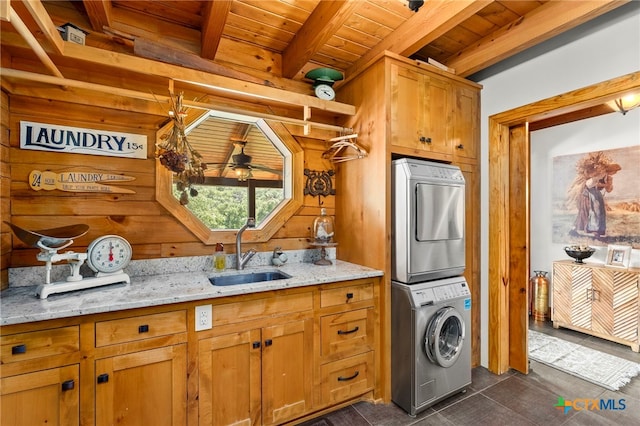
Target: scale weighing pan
[[50, 238]]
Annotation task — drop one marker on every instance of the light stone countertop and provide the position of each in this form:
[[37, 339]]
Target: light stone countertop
[[169, 281]]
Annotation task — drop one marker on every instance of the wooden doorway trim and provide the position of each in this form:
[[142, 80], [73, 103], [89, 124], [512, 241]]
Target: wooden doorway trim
[[509, 209]]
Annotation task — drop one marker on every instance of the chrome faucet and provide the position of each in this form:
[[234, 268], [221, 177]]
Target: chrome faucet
[[242, 259]]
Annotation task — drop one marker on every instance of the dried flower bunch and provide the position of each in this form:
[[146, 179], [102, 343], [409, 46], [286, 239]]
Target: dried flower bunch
[[176, 154]]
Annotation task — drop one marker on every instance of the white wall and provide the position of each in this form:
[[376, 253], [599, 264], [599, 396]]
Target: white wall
[[605, 48]]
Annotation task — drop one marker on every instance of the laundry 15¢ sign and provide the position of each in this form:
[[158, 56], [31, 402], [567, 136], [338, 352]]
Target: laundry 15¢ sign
[[75, 140]]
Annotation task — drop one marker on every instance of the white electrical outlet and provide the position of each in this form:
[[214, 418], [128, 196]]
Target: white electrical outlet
[[204, 317]]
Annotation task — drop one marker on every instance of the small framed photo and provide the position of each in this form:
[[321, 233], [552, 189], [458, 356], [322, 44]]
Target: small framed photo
[[618, 256]]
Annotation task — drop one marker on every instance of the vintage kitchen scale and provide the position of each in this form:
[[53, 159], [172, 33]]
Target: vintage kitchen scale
[[107, 256]]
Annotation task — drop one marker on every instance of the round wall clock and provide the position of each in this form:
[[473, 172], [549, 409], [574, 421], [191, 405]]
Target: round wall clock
[[109, 254]]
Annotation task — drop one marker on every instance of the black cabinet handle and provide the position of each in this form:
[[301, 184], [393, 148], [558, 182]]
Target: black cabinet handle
[[460, 146], [256, 345], [349, 296], [103, 378], [348, 331], [19, 349], [344, 379], [425, 140], [268, 342], [68, 385], [143, 328]]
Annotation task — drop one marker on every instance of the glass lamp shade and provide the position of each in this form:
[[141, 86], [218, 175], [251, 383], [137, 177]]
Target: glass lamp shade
[[242, 173], [627, 103], [323, 228]]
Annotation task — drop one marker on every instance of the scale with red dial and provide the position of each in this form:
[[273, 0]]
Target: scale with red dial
[[107, 256]]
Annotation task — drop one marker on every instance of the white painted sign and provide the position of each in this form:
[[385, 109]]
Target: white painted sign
[[76, 140]]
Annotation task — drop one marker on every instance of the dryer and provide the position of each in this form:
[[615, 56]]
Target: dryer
[[430, 342]]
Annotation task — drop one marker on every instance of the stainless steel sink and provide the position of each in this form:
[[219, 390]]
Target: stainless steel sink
[[247, 278]]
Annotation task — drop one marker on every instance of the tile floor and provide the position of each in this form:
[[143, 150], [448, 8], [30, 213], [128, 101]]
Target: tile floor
[[512, 398]]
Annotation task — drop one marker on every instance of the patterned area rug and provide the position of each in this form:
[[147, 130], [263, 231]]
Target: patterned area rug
[[599, 368]]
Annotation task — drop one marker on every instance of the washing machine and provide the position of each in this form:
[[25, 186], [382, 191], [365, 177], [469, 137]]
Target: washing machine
[[430, 342]]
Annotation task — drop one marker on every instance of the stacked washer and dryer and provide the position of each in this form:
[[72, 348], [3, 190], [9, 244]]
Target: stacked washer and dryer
[[430, 299]]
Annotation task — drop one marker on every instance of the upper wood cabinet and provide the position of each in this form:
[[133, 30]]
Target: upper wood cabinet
[[420, 111], [432, 116]]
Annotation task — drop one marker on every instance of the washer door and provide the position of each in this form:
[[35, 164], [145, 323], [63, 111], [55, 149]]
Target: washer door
[[445, 337]]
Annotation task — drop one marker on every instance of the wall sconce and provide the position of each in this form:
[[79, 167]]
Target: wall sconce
[[627, 103]]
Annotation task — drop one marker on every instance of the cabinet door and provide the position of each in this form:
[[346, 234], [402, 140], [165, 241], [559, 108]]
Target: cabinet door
[[581, 296], [287, 367], [407, 103], [420, 111], [561, 312], [437, 115], [43, 397], [143, 388], [466, 122], [601, 295], [625, 305], [229, 379]]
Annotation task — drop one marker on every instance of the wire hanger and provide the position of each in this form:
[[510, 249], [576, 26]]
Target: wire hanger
[[343, 149]]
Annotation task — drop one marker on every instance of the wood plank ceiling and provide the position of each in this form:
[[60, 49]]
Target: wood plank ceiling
[[265, 46]]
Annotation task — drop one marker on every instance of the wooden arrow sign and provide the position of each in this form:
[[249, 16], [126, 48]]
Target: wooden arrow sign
[[78, 181]]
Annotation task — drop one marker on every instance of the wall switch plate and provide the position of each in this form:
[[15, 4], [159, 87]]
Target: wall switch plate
[[204, 317]]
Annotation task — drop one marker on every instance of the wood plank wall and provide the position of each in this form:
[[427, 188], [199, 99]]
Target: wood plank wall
[[5, 170], [152, 231]]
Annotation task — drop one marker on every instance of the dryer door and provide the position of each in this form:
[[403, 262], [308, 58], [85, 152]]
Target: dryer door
[[444, 339]]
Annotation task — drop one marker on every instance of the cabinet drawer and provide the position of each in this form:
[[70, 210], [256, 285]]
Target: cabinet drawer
[[231, 313], [37, 344], [139, 328], [347, 378], [347, 332], [346, 295]]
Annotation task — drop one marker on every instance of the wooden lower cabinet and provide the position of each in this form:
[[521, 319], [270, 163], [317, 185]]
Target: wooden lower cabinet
[[42, 397], [143, 388], [259, 376], [40, 376], [597, 300], [269, 359]]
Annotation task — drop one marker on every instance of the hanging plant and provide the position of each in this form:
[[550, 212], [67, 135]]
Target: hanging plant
[[177, 155]]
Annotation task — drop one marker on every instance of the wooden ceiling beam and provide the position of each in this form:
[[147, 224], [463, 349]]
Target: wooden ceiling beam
[[543, 23], [33, 43], [41, 17], [99, 12], [214, 18], [325, 20], [433, 20]]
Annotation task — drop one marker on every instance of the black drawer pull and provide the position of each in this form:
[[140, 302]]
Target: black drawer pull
[[103, 378], [268, 342], [256, 345], [143, 328], [344, 379], [348, 331], [68, 385], [460, 146], [19, 349], [349, 296], [425, 140]]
